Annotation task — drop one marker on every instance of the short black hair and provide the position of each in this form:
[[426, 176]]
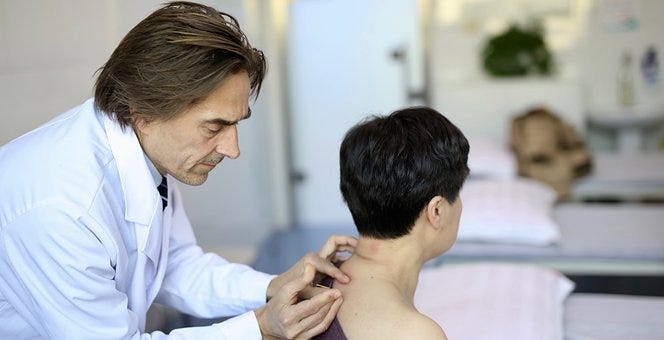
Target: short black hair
[[392, 166]]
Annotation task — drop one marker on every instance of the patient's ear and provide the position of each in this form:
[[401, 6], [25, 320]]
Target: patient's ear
[[436, 210]]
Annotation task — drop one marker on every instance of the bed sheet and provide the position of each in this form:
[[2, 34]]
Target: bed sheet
[[607, 317]]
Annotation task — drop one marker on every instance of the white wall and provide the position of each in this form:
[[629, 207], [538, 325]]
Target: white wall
[[47, 57], [49, 51], [338, 75]]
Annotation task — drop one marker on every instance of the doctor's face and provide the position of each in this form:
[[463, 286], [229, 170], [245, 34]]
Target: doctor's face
[[192, 143]]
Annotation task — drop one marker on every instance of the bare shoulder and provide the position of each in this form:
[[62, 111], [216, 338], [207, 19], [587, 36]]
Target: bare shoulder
[[424, 328], [363, 318]]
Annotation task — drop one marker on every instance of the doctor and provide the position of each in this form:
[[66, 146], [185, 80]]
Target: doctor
[[92, 226]]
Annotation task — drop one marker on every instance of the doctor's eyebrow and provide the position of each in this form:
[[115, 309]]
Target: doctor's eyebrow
[[225, 122]]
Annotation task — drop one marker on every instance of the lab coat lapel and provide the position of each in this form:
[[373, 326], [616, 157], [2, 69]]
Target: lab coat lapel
[[159, 251], [140, 193], [150, 245], [142, 209]]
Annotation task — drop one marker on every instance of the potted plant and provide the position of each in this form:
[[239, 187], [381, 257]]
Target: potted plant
[[517, 51]]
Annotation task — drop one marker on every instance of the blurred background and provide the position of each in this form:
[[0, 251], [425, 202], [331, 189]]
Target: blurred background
[[333, 62]]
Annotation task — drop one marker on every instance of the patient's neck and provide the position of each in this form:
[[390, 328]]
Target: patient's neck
[[396, 261]]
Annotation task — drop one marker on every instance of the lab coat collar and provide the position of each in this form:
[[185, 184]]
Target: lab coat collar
[[135, 177]]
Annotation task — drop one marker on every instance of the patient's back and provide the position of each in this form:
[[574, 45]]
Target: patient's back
[[375, 309]]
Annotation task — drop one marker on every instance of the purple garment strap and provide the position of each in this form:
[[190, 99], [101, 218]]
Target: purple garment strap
[[334, 332]]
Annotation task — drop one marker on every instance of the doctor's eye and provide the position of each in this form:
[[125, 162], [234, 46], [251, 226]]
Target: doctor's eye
[[214, 130]]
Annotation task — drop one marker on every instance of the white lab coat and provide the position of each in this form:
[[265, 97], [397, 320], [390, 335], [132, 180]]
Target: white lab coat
[[85, 248]]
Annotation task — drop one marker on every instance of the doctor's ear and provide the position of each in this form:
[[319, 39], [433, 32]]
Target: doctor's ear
[[133, 117], [436, 209], [139, 122]]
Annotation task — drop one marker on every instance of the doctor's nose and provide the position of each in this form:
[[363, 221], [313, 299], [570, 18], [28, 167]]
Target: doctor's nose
[[227, 143]]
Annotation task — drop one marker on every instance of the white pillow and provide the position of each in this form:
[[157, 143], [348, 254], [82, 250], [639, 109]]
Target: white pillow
[[494, 301], [489, 158], [509, 211]]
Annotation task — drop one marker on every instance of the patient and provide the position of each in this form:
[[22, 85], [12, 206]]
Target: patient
[[400, 177]]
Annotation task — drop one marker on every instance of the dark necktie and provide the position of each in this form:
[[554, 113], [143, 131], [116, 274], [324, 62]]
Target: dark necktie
[[163, 192]]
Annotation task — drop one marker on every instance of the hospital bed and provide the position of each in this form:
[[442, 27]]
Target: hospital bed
[[596, 235], [487, 300]]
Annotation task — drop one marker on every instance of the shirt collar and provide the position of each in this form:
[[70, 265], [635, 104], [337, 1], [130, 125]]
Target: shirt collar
[[156, 176]]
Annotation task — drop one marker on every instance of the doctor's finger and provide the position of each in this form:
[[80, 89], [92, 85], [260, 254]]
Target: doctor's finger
[[290, 291], [312, 311], [317, 326], [327, 268], [337, 243]]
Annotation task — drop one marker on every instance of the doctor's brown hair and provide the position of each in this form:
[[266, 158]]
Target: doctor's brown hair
[[172, 59]]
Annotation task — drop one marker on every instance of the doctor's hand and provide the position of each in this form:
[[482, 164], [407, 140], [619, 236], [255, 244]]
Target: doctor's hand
[[322, 264], [285, 316], [337, 244]]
